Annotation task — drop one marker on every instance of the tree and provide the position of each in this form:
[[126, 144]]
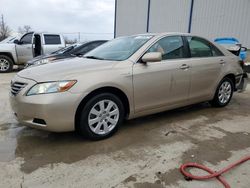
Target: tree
[[24, 29], [70, 41], [4, 29]]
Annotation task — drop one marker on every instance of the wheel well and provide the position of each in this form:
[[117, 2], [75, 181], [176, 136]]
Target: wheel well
[[232, 77], [122, 96], [8, 55]]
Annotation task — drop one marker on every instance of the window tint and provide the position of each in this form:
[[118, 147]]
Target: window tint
[[170, 47], [202, 48], [52, 39], [27, 39]]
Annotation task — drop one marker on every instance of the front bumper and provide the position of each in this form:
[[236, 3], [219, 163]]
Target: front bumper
[[53, 112]]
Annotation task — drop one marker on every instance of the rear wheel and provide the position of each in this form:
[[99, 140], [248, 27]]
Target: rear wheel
[[223, 93], [6, 64], [101, 116]]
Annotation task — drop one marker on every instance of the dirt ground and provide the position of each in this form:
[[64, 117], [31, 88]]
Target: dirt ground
[[146, 152]]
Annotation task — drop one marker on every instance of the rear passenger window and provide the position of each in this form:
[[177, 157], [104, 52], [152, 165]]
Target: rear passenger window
[[171, 47], [202, 48], [52, 39], [216, 51]]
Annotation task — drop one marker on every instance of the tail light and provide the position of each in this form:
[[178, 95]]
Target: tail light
[[241, 63]]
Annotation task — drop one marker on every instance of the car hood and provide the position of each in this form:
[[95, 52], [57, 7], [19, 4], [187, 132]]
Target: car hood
[[65, 69], [40, 57], [7, 47], [53, 58]]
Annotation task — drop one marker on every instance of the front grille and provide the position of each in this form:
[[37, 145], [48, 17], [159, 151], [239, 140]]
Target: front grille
[[16, 87]]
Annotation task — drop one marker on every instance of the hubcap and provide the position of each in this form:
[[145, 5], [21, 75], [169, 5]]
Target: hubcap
[[103, 117], [225, 92], [4, 65]]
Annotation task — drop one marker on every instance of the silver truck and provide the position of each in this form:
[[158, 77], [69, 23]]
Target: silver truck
[[29, 46]]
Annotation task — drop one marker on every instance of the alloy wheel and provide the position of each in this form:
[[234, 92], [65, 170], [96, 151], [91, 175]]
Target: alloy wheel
[[225, 92], [4, 64], [103, 117]]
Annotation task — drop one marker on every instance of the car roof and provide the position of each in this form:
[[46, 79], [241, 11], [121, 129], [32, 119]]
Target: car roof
[[164, 34]]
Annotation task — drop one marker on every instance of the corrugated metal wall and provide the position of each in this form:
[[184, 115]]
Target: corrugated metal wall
[[131, 17], [222, 18], [211, 18], [169, 15]]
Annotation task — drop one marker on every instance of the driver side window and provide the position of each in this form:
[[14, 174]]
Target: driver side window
[[171, 47], [27, 39]]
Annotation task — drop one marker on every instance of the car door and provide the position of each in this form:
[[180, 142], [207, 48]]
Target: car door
[[207, 62], [24, 48], [51, 43], [165, 83]]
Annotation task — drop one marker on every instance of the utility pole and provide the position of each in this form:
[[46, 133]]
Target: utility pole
[[79, 36], [2, 22]]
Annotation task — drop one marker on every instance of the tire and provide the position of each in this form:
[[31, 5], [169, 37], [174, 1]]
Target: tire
[[97, 122], [6, 64], [224, 93]]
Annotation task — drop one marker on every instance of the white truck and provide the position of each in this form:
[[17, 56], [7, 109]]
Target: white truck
[[29, 46]]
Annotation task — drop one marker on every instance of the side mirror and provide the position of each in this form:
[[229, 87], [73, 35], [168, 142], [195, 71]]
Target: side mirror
[[152, 57], [17, 42], [243, 49]]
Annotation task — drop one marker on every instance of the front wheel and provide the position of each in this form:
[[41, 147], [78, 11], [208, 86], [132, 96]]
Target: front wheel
[[223, 93], [6, 64], [101, 116]]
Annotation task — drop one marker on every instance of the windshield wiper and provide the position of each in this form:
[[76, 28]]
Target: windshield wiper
[[93, 57]]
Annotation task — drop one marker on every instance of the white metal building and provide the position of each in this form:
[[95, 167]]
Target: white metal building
[[208, 18]]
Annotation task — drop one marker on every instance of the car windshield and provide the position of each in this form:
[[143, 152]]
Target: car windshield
[[119, 49]]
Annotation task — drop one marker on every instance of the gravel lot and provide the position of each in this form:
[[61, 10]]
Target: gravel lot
[[146, 152]]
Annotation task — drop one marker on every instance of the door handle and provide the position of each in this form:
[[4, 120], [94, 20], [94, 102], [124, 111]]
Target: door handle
[[184, 67], [28, 47], [222, 62]]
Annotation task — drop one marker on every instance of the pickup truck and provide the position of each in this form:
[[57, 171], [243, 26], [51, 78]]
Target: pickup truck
[[29, 46]]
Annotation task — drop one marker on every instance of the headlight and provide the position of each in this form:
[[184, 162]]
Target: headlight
[[51, 87]]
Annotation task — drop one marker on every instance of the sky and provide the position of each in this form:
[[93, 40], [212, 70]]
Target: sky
[[62, 16]]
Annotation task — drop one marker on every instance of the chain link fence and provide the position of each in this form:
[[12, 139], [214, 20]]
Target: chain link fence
[[77, 37]]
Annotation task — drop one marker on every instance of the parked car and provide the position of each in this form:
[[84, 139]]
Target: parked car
[[127, 77], [234, 46], [29, 46], [67, 52]]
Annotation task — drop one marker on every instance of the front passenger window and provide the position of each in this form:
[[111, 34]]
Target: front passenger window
[[170, 47], [27, 39]]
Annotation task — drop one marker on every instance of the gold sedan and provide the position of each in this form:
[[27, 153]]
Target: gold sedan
[[127, 77]]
